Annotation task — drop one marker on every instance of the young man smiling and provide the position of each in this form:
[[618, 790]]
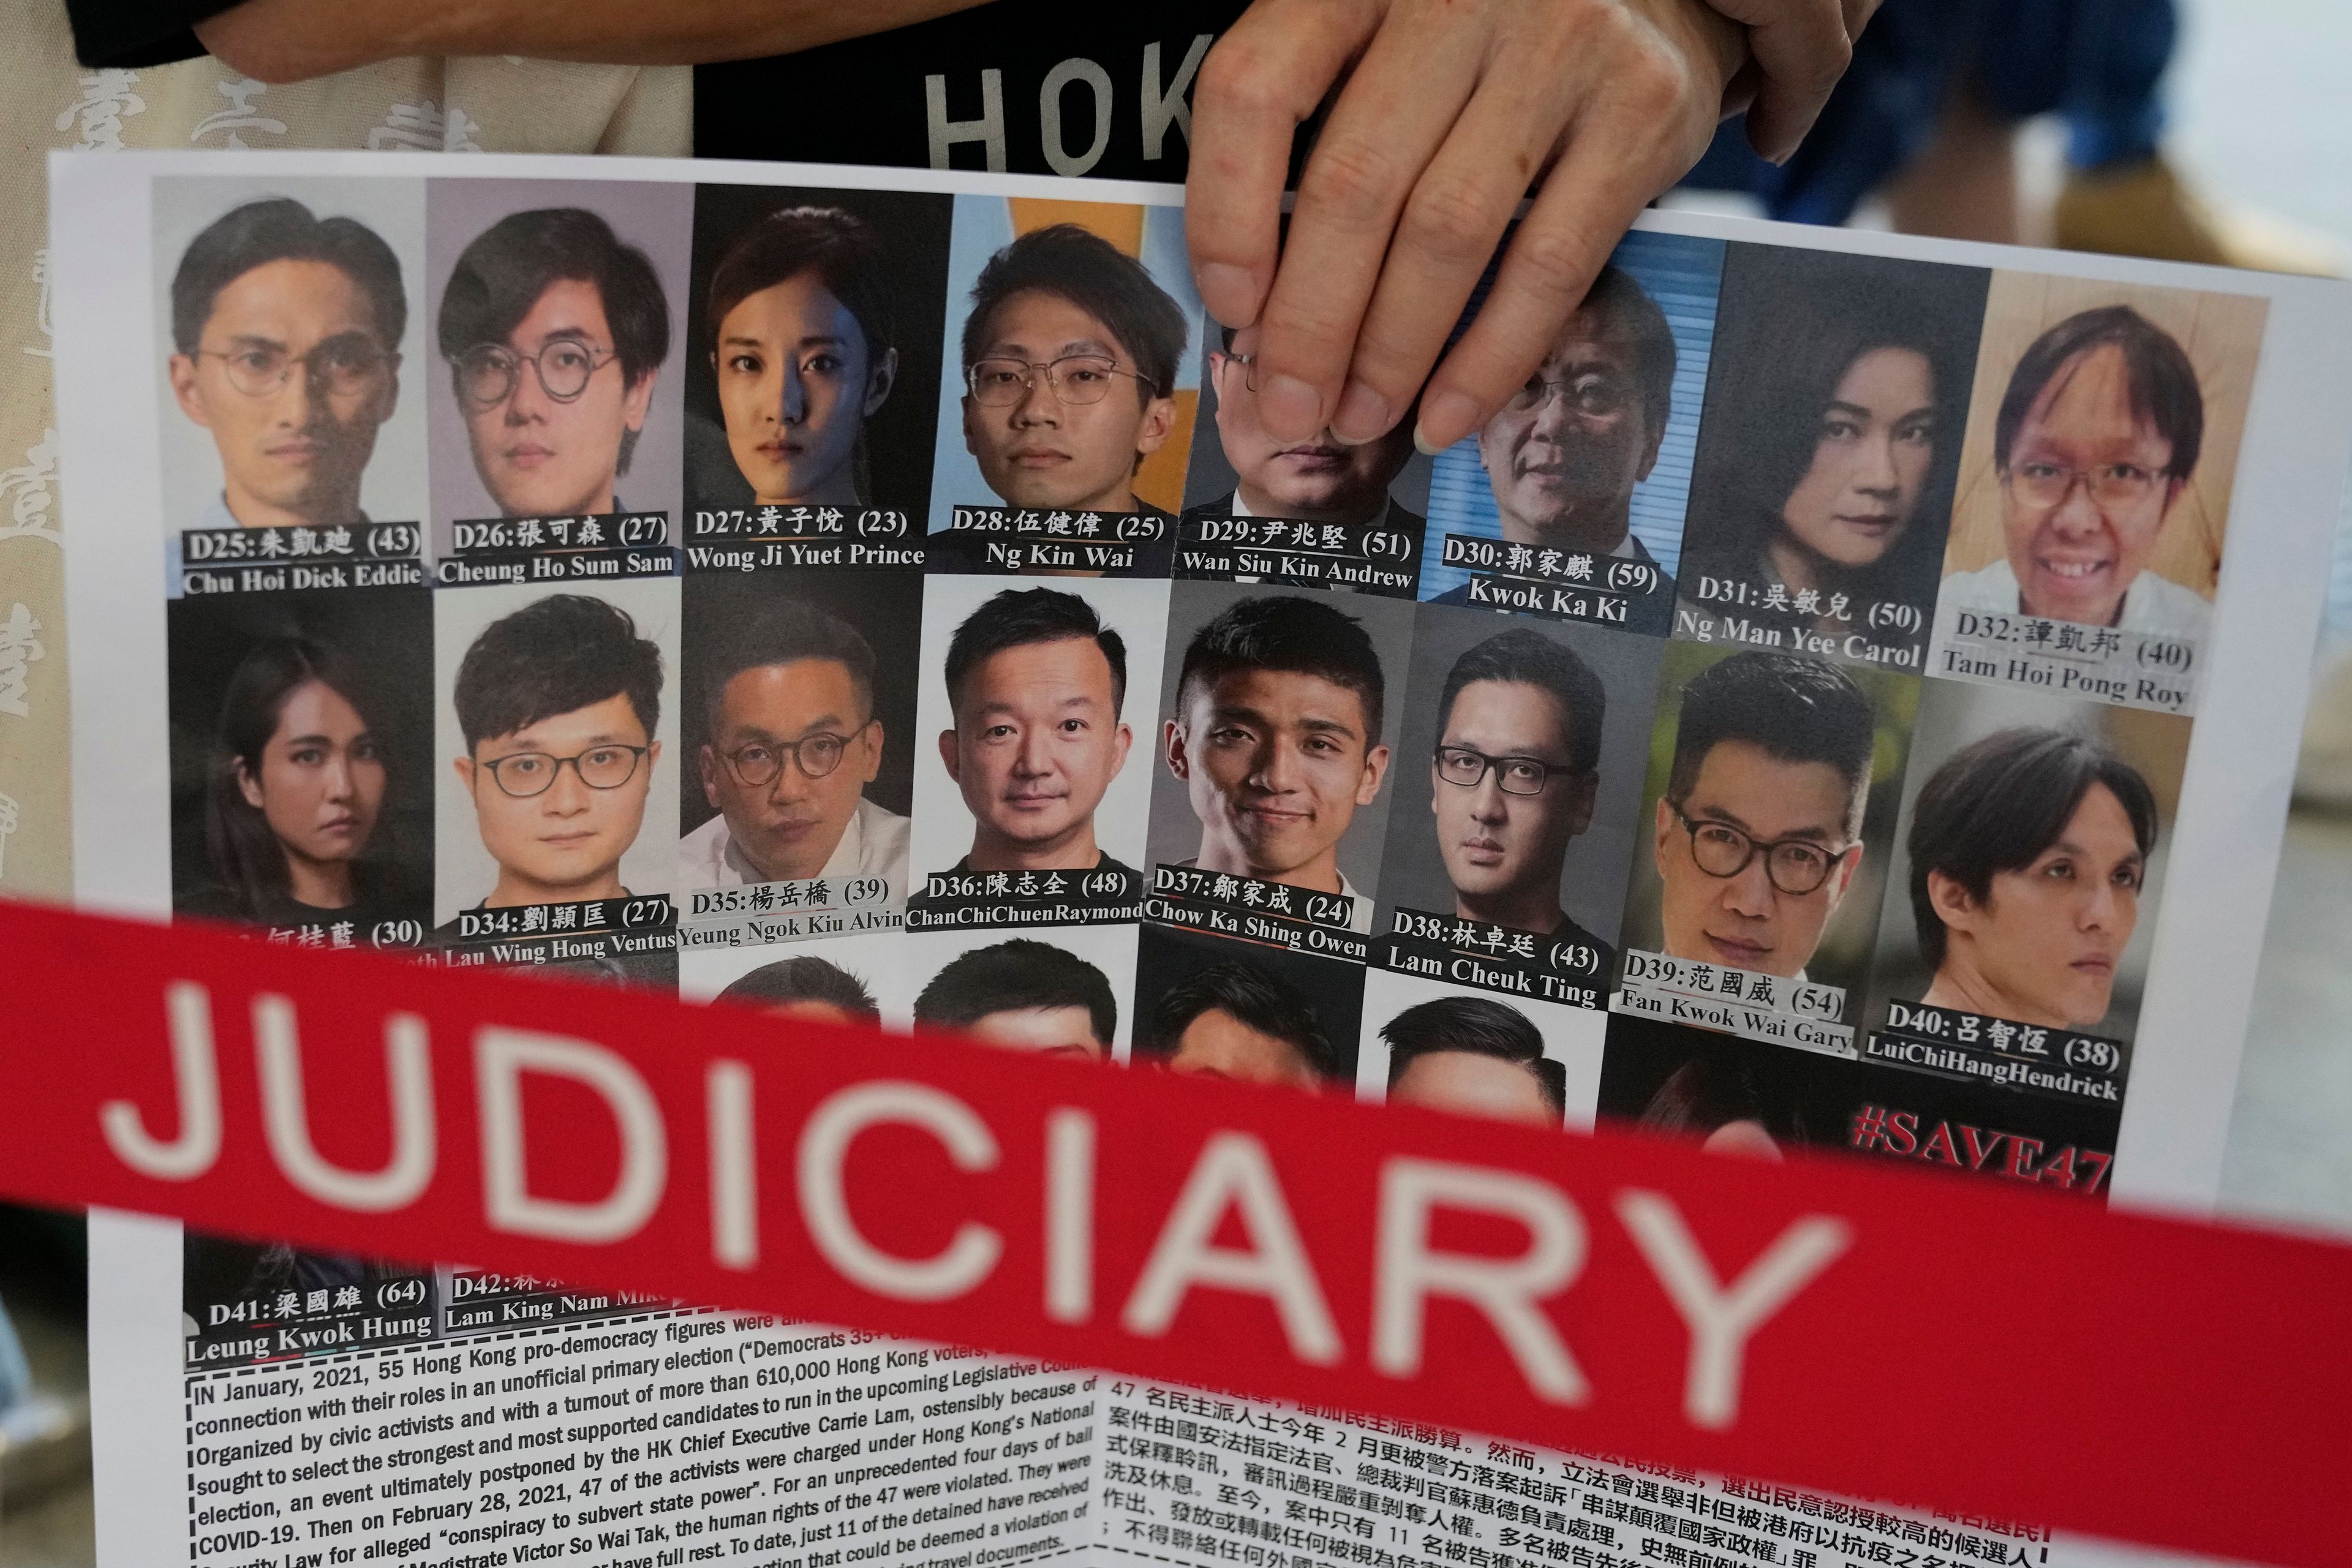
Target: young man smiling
[[554, 331], [558, 703], [286, 327], [1276, 738], [1036, 682]]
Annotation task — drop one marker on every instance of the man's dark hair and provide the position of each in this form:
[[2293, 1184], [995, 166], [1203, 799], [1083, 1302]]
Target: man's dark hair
[[1259, 998], [1998, 803], [501, 276], [1796, 709], [566, 652], [1477, 1025], [1094, 275], [803, 979], [1531, 658], [1630, 316], [1015, 974], [2158, 377], [838, 247], [282, 229], [781, 632], [1020, 617], [1298, 636]]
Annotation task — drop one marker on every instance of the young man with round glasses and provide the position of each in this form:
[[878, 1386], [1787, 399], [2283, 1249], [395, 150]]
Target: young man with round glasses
[[1512, 778], [1070, 356], [286, 327], [558, 704], [2097, 435], [554, 331], [1758, 834], [794, 742]]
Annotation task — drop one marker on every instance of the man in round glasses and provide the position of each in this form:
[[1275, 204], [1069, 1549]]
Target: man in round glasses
[[1759, 832], [794, 742], [1512, 778], [287, 330], [554, 331], [1563, 454], [558, 704], [2097, 439], [1069, 358]]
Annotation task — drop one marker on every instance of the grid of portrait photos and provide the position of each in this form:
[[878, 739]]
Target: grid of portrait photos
[[888, 606]]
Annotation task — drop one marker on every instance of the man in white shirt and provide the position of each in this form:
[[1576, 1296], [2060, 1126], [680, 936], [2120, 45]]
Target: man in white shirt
[[2097, 439], [794, 742]]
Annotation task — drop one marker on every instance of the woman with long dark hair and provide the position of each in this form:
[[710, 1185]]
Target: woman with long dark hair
[[294, 792], [1831, 442]]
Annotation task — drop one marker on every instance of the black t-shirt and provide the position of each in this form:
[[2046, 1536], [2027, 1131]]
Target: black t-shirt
[[965, 91], [971, 91], [130, 34]]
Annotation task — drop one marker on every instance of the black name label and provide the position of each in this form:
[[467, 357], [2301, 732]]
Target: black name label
[[1367, 557], [606, 546], [1493, 957], [1226, 903], [966, 900], [2060, 1063]]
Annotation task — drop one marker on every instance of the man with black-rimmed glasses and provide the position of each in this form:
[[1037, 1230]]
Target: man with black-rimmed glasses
[[558, 704], [1512, 778], [794, 742], [554, 330], [1758, 834]]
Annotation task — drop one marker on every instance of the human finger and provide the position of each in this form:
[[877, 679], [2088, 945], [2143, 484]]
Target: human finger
[[1446, 235], [1403, 101], [1614, 164], [1257, 86], [1801, 49]]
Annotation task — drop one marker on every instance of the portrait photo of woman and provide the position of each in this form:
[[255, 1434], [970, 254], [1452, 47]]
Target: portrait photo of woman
[[1827, 455], [296, 794], [816, 330]]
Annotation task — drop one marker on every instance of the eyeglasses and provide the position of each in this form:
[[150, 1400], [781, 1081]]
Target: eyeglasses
[[1795, 866], [1075, 378], [526, 773], [757, 763], [2111, 485], [1594, 396], [487, 372], [1517, 775], [340, 366]]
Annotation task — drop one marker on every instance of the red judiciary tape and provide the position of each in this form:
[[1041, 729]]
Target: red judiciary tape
[[1818, 1324]]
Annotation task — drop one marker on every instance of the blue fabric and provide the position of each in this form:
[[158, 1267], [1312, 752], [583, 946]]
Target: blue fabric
[[2096, 62]]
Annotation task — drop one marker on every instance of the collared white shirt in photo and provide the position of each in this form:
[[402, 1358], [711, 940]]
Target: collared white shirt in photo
[[873, 844]]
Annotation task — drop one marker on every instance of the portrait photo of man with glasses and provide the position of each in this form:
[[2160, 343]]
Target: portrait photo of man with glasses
[[557, 715], [1591, 456], [2102, 447], [284, 366], [795, 730], [1071, 352], [1757, 835], [554, 324], [1522, 754]]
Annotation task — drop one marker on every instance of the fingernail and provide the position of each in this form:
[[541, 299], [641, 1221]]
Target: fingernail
[[1228, 292], [1288, 406], [1444, 419], [1363, 416]]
